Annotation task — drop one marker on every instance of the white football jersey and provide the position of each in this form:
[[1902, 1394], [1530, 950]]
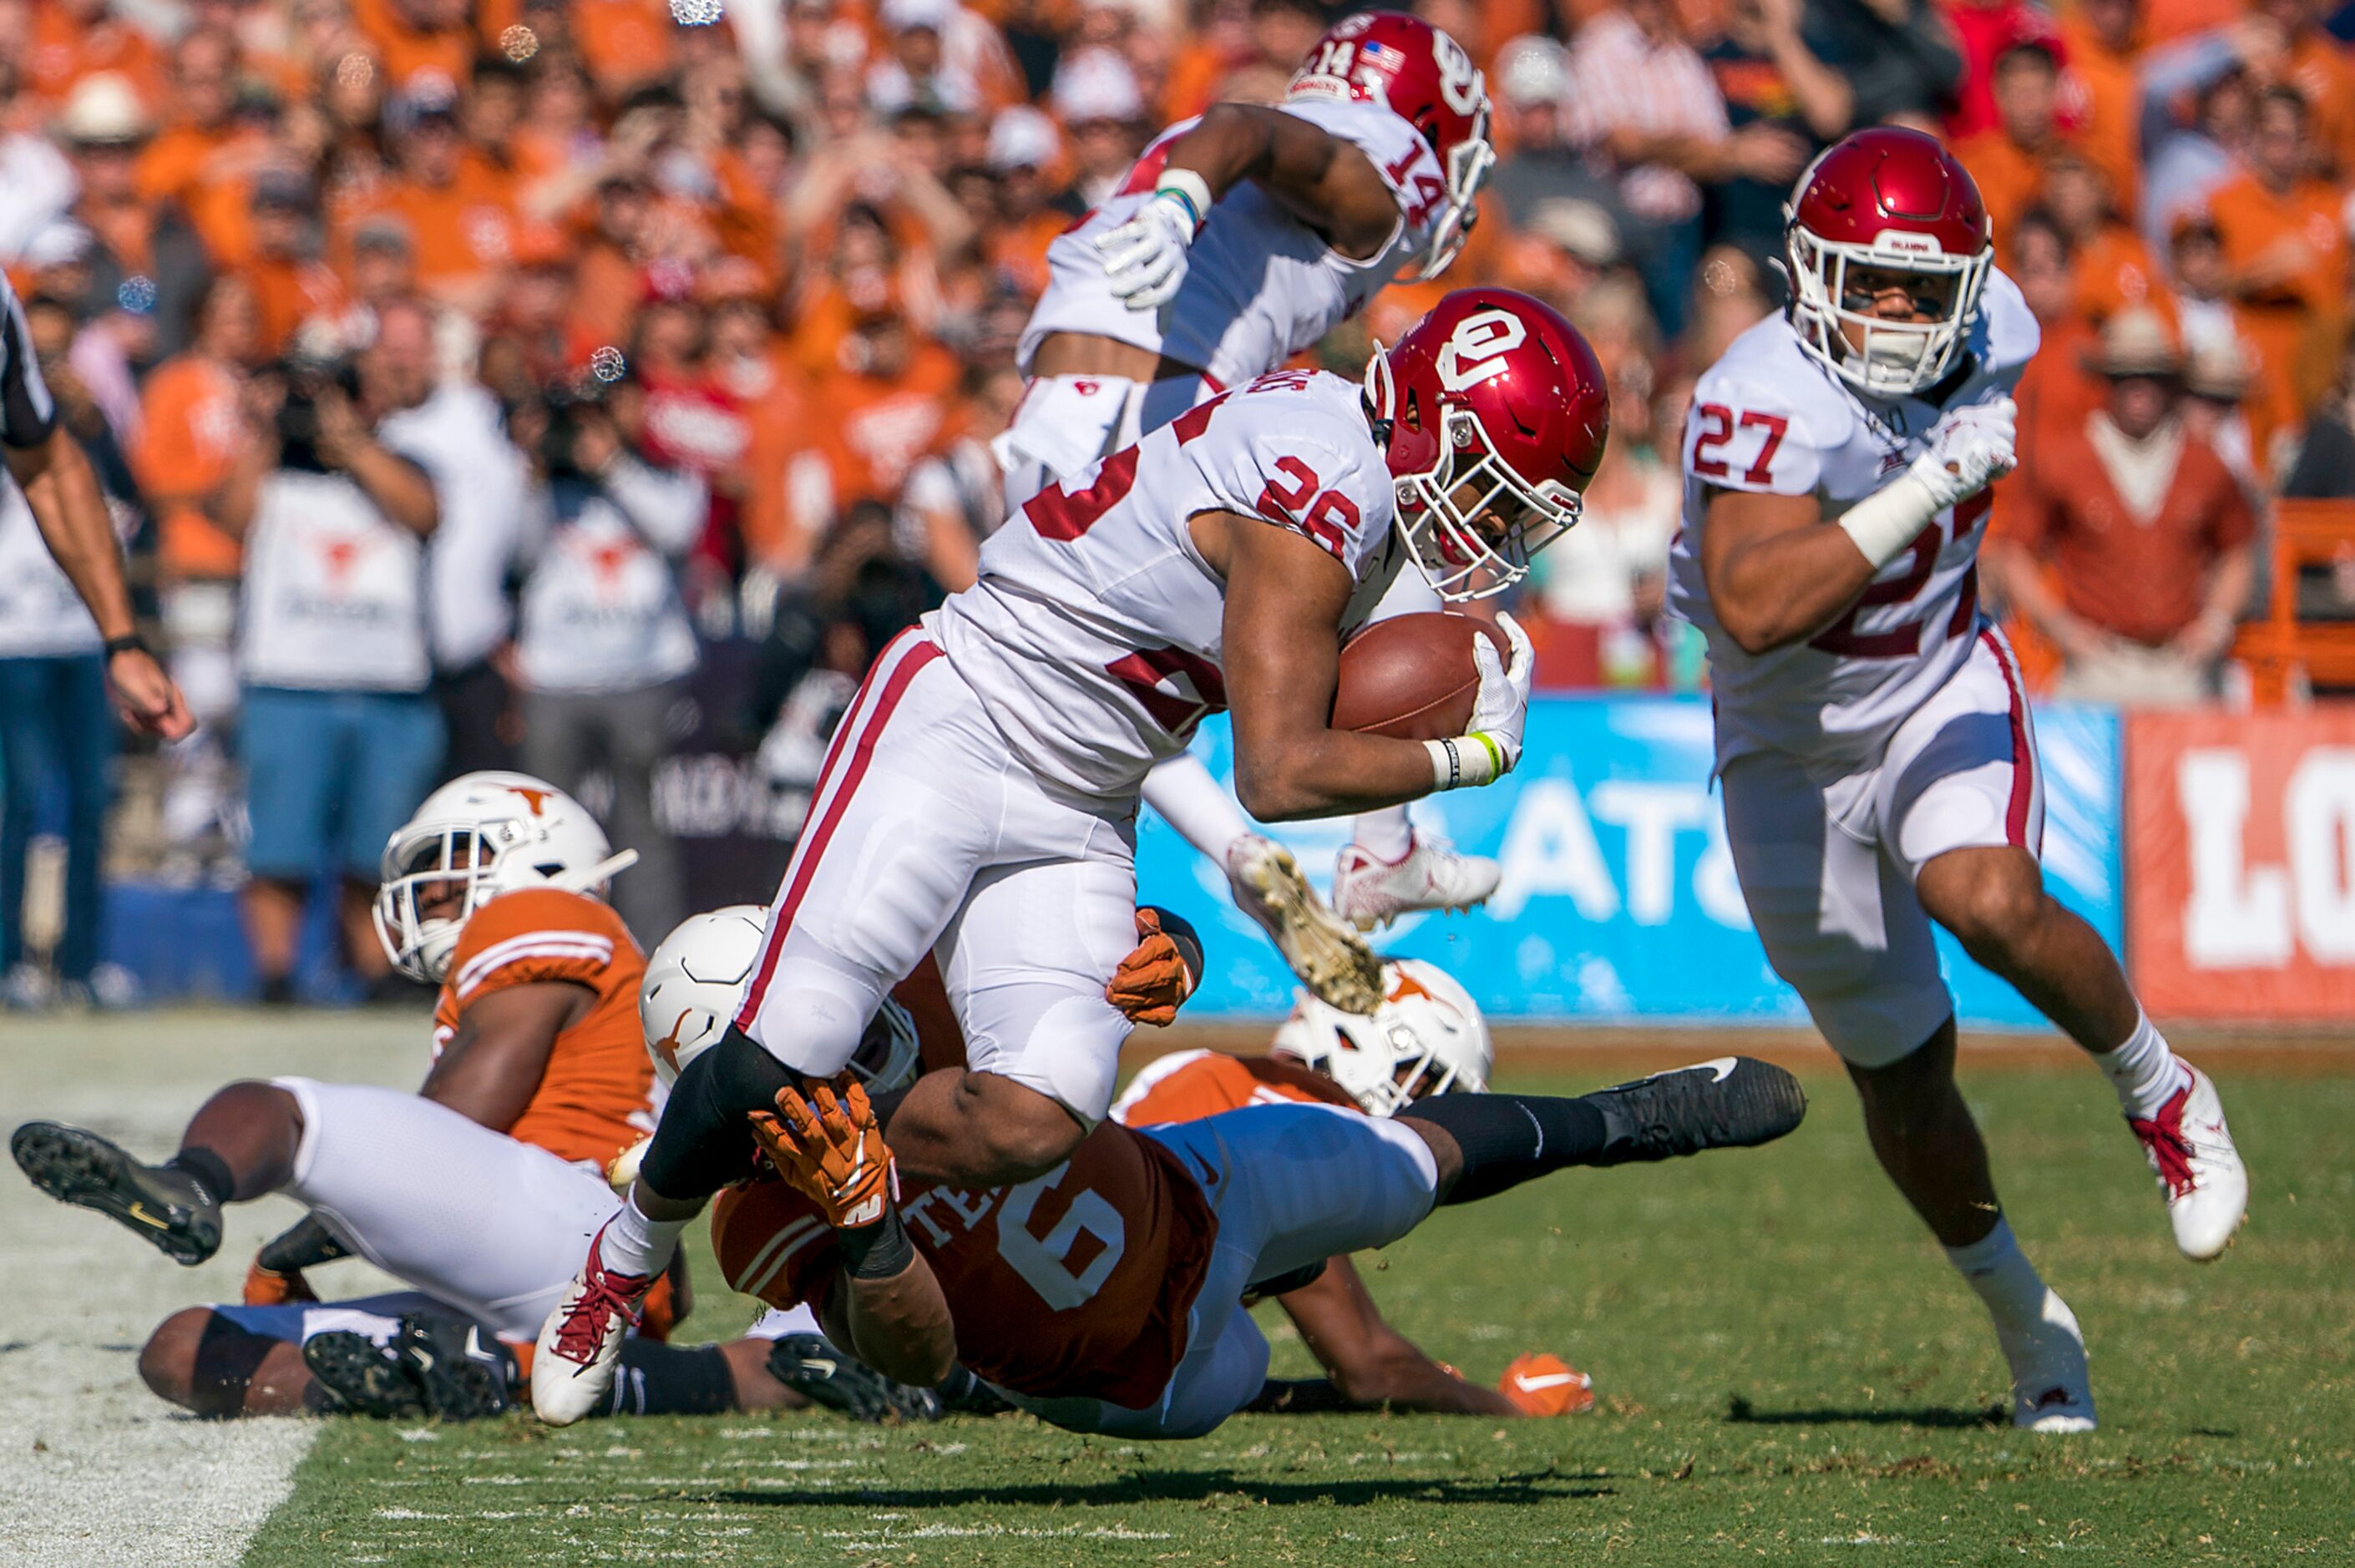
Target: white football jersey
[[1772, 419], [1093, 635], [1259, 285]]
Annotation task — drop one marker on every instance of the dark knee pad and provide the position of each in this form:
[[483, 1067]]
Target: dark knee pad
[[702, 1144]]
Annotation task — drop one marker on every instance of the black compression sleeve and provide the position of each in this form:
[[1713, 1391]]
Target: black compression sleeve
[[702, 1144], [1511, 1138]]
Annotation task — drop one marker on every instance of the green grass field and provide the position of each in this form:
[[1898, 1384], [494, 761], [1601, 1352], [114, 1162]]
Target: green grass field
[[1787, 1371]]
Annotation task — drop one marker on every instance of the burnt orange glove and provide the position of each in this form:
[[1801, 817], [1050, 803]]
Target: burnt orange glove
[[1540, 1384], [268, 1288], [830, 1148], [1155, 980]]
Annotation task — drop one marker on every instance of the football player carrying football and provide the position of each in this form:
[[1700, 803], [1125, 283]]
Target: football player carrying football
[[1240, 238], [1426, 1038], [979, 798], [1108, 1295], [1873, 740]]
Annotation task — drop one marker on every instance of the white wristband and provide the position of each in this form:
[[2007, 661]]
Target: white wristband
[[1884, 523], [1187, 187], [1464, 762]]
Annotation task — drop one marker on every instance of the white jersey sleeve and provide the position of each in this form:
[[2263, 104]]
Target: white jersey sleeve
[[1094, 633], [1770, 418], [1261, 285]]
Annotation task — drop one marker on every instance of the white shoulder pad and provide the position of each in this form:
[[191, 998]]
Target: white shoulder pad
[[1763, 415]]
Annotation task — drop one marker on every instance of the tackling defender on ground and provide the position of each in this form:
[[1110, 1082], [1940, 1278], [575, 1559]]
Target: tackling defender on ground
[[1873, 741]]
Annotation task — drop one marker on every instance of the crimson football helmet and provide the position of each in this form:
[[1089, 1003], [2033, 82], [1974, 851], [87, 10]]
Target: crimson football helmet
[[1893, 200], [1427, 79], [1496, 408]]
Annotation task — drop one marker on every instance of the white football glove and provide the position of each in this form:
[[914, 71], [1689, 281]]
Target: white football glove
[[1492, 746], [1146, 257], [1970, 448]]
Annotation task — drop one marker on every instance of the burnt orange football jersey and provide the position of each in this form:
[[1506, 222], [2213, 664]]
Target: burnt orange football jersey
[[1075, 1285], [1186, 1086], [596, 1098]]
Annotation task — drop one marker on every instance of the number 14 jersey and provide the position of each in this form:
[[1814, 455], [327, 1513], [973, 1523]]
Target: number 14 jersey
[[1093, 635], [1770, 418]]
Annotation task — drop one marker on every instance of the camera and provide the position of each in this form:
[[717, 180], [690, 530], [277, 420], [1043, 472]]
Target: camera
[[298, 414], [564, 402]]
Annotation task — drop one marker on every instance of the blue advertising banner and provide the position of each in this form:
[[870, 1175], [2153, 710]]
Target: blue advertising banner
[[1619, 900]]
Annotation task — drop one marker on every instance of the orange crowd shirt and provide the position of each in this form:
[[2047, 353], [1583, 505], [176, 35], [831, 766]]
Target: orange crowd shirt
[[189, 430], [596, 1096], [2109, 128], [461, 230], [65, 48], [2254, 226]]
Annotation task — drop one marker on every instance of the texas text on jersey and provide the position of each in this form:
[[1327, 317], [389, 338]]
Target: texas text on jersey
[[1771, 417], [1092, 637]]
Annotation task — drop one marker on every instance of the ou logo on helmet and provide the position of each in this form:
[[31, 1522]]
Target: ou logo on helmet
[[1475, 351]]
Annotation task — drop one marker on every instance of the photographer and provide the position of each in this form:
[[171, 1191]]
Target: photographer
[[340, 739], [604, 643]]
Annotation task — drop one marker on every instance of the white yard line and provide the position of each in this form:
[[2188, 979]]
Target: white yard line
[[93, 1468]]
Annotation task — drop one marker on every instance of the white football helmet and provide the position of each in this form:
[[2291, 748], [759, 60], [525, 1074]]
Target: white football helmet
[[1426, 1038], [494, 833], [695, 982]]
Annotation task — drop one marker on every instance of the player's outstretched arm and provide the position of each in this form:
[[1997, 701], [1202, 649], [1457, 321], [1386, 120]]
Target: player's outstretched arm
[[1328, 184], [884, 1302], [1282, 656], [1372, 1363]]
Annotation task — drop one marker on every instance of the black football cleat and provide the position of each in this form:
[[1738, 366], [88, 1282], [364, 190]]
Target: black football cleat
[[361, 1377], [809, 1363], [169, 1207], [433, 1366], [1733, 1102]]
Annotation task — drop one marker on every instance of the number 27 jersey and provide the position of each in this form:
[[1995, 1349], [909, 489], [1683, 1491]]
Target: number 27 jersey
[[1093, 635], [1770, 418]]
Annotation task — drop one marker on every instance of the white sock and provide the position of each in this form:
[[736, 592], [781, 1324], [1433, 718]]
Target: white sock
[[1386, 834], [2000, 1272], [633, 1243], [2145, 1072], [1192, 801]]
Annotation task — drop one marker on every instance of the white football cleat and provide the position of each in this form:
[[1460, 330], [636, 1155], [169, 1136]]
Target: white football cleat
[[1331, 960], [580, 1343], [1368, 891], [2200, 1173], [2050, 1390]]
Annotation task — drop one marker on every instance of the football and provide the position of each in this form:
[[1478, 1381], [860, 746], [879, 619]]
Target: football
[[1413, 676], [694, 981]]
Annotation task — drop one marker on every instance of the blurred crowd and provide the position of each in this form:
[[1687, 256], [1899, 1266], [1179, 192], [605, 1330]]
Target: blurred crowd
[[462, 375]]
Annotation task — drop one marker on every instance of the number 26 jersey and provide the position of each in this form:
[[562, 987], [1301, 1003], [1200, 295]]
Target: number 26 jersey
[[1094, 632], [1770, 418]]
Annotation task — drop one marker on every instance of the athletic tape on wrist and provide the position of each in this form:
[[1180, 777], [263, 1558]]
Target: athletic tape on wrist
[[1465, 761], [1884, 523], [1188, 187]]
